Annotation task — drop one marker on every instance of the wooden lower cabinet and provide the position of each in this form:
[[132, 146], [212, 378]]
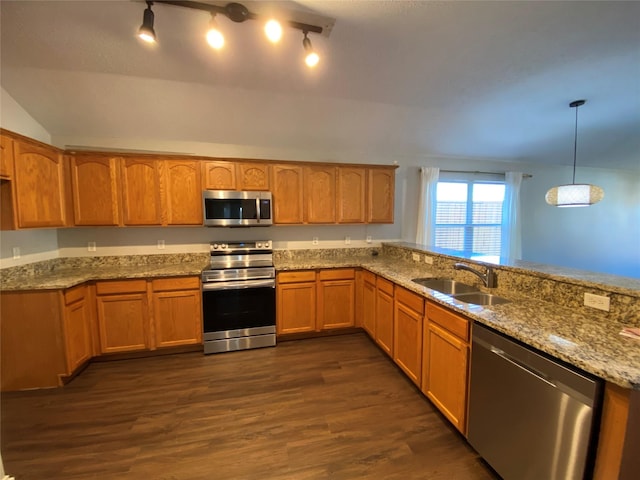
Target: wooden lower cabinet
[[384, 315], [407, 334], [77, 327], [336, 298], [123, 315], [369, 303], [177, 311], [296, 302], [445, 368]]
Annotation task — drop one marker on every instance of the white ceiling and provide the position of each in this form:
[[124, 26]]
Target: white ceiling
[[475, 79]]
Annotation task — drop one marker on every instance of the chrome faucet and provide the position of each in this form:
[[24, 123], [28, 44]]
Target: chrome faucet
[[488, 278]]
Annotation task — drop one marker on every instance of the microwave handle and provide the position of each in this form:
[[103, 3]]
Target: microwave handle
[[258, 208]]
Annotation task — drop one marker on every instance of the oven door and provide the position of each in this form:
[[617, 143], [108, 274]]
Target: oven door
[[238, 314]]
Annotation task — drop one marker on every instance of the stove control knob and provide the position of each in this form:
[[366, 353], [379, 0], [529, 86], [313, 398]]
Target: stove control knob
[[259, 245], [223, 246], [215, 246]]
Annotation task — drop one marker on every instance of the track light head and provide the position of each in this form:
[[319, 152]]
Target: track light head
[[214, 35], [311, 58], [237, 12], [273, 30], [146, 31]]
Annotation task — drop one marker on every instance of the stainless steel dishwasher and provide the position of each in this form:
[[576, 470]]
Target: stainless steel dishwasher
[[530, 417]]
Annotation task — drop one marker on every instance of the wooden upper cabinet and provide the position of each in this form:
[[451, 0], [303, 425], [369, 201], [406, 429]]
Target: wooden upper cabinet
[[95, 185], [320, 194], [381, 191], [287, 183], [253, 176], [219, 175], [183, 192], [40, 187], [6, 157], [351, 194], [141, 192]]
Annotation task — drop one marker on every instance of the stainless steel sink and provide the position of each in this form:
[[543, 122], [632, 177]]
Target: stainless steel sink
[[445, 285], [480, 298]]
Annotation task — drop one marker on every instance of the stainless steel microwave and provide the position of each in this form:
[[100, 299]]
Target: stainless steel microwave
[[228, 208]]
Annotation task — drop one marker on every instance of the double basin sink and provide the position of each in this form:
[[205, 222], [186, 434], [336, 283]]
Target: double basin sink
[[460, 291]]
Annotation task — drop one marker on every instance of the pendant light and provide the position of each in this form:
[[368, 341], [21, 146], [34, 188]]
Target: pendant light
[[575, 194], [146, 31]]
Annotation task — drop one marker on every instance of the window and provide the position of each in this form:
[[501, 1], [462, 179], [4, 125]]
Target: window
[[469, 216]]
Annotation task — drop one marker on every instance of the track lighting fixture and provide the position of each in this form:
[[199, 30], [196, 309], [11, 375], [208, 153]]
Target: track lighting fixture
[[146, 31], [238, 13], [574, 194], [214, 35], [311, 57]]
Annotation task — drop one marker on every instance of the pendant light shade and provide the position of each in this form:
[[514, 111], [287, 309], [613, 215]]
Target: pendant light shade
[[574, 195], [146, 31]]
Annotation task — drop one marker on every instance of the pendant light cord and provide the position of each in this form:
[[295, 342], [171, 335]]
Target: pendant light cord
[[575, 146]]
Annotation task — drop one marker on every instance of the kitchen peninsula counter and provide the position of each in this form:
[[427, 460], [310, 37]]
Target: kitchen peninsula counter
[[590, 341]]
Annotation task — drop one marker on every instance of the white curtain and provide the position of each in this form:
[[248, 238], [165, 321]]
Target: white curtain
[[427, 206], [511, 221]]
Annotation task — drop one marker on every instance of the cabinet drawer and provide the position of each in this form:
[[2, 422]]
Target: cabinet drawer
[[412, 300], [74, 294], [369, 277], [455, 324], [297, 276], [337, 274], [176, 283], [121, 286], [385, 285]]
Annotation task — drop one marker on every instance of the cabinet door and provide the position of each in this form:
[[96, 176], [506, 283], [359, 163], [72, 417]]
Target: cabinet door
[[336, 304], [296, 307], [39, 186], [76, 334], [320, 194], [177, 318], [123, 321], [351, 195], [183, 192], [381, 190], [369, 308], [287, 194], [6, 156], [253, 176], [407, 347], [445, 373], [219, 175], [141, 192], [384, 321], [94, 182]]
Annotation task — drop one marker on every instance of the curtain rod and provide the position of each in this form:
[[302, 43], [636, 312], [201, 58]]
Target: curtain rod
[[524, 175]]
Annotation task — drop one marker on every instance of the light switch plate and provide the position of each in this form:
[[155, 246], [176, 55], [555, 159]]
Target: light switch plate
[[314, 241], [16, 253], [347, 240], [160, 244], [368, 238], [91, 246]]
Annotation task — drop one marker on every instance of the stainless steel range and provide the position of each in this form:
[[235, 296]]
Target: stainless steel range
[[239, 297]]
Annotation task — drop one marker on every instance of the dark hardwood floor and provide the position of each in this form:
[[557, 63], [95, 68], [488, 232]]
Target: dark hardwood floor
[[327, 408]]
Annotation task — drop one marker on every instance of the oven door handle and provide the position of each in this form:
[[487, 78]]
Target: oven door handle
[[239, 284]]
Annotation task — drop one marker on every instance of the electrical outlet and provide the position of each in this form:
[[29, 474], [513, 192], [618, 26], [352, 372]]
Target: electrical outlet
[[597, 301], [16, 253], [415, 256], [91, 246], [347, 240], [368, 239], [315, 240], [160, 244], [428, 259]]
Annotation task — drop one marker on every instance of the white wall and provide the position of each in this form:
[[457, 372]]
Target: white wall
[[34, 245], [604, 237]]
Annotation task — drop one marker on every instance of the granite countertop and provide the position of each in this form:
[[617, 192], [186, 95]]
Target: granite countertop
[[590, 342], [68, 277]]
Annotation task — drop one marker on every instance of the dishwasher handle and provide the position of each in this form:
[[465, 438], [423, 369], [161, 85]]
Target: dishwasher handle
[[520, 364]]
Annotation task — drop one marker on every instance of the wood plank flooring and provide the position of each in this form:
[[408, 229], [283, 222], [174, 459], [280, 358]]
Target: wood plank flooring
[[326, 408]]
